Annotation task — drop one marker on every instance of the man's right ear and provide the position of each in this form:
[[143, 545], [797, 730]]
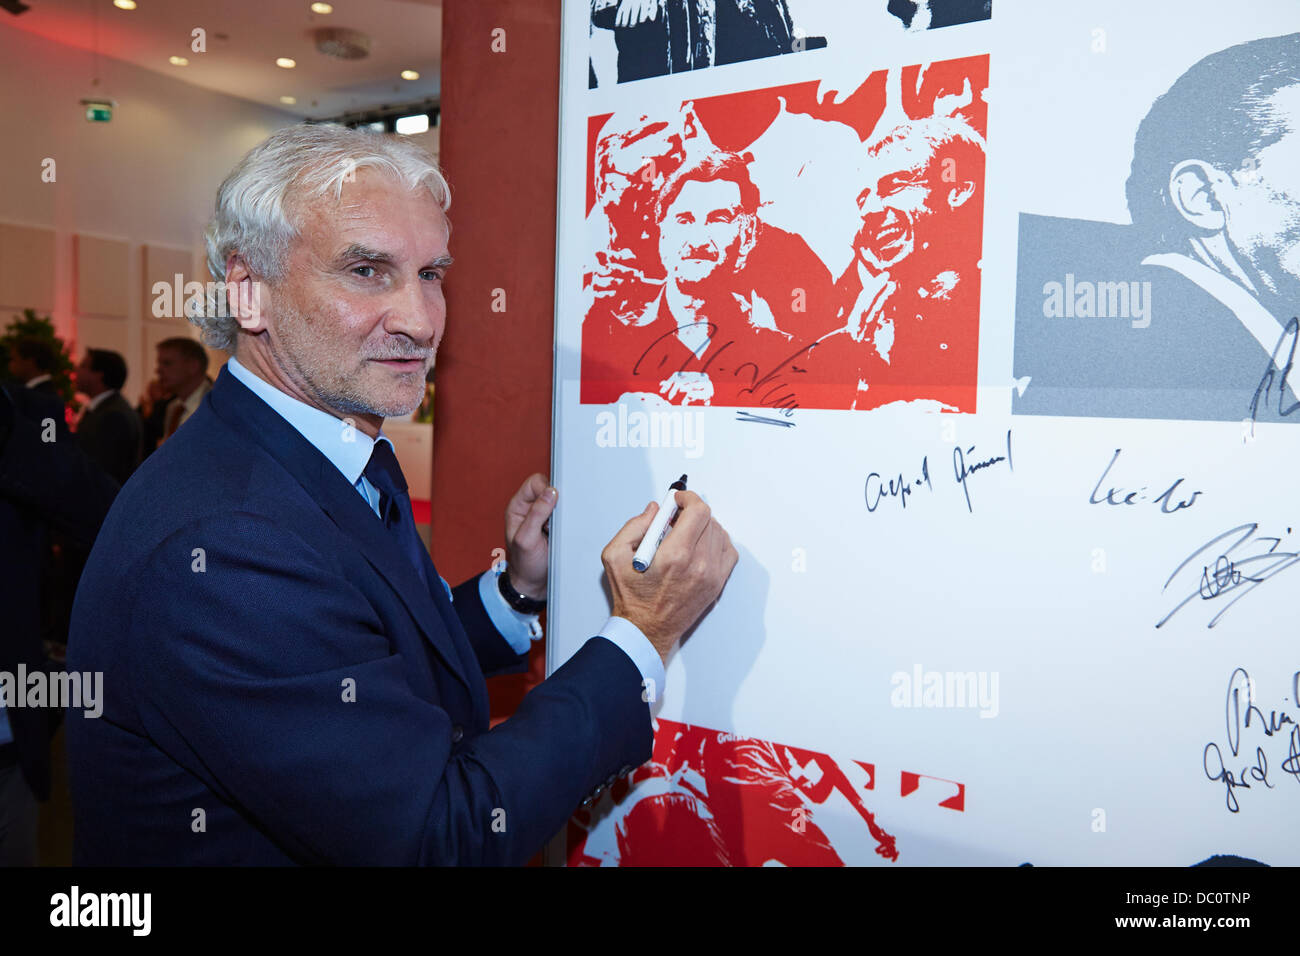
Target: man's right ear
[[247, 296], [1196, 190]]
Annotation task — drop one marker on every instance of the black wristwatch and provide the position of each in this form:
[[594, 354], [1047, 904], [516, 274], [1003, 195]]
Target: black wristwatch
[[520, 602]]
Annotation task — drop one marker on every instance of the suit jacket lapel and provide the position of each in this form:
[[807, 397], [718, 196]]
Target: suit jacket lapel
[[231, 400]]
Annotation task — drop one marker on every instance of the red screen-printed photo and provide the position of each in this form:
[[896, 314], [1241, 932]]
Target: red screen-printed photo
[[790, 247], [708, 798]]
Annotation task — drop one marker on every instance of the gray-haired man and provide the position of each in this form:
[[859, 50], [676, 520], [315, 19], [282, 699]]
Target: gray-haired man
[[283, 664]]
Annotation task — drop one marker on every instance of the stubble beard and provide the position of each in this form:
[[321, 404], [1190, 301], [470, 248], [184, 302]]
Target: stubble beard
[[342, 392]]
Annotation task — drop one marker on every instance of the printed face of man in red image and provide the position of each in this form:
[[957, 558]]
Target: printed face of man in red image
[[908, 185], [703, 232], [636, 158], [893, 204]]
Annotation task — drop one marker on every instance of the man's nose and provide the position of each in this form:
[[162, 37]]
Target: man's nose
[[414, 313], [699, 242]]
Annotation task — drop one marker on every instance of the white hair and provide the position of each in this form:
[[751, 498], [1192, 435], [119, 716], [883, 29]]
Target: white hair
[[259, 202]]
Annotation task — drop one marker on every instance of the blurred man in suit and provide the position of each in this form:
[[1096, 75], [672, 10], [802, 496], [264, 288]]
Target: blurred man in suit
[[183, 371], [32, 362], [291, 675], [109, 430], [43, 485], [153, 415]]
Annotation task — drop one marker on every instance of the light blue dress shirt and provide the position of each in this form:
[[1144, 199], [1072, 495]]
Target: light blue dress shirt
[[348, 449]]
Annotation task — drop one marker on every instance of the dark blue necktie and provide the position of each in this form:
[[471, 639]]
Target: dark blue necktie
[[385, 474]]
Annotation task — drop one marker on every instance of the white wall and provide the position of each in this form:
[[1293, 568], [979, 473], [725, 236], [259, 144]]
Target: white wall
[[150, 176]]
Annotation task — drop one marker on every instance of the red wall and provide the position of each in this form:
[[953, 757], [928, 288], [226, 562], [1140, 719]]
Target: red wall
[[500, 112]]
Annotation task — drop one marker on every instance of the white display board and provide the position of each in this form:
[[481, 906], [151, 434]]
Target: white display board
[[1033, 598]]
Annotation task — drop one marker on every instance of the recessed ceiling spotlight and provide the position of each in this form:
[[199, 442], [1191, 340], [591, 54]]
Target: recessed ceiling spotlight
[[321, 8], [410, 75], [288, 100], [178, 61], [285, 62], [124, 4]]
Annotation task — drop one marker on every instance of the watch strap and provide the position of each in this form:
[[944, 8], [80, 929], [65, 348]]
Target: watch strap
[[520, 602]]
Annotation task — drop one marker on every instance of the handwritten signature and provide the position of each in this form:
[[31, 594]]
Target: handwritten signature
[[963, 471], [1275, 724], [1241, 567], [1262, 391], [778, 394], [879, 488], [1118, 496]]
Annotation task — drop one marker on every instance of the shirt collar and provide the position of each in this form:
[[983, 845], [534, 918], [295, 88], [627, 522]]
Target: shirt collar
[[347, 447], [33, 382], [192, 400], [100, 399]]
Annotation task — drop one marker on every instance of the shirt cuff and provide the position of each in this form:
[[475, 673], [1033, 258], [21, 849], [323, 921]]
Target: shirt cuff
[[628, 637], [519, 629]]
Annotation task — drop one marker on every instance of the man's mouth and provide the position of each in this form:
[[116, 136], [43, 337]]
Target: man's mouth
[[402, 364], [892, 230], [887, 238], [891, 235], [699, 255]]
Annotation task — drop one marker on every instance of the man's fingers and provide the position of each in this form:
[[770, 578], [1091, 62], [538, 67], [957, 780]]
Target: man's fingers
[[535, 486], [621, 255], [531, 528], [618, 270], [629, 536], [692, 521]]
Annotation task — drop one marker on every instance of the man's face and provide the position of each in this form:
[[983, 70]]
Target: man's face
[[701, 233], [894, 203], [637, 158], [89, 382], [174, 370], [21, 368], [359, 313], [1263, 213]]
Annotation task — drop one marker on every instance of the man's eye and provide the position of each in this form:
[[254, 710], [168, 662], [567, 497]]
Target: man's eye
[[364, 271], [432, 275], [891, 186]]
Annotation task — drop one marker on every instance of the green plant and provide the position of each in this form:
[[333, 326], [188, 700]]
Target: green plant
[[37, 327]]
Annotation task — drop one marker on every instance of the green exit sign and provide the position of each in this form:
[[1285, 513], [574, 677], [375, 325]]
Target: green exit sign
[[98, 112]]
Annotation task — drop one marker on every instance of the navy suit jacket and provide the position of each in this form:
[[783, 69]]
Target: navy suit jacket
[[272, 659], [43, 485]]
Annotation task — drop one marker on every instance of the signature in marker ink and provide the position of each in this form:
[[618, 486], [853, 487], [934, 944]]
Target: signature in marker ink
[[1231, 570]]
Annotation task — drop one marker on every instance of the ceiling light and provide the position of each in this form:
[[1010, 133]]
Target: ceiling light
[[178, 61], [406, 125], [321, 8], [124, 4], [288, 100], [285, 62], [410, 75]]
